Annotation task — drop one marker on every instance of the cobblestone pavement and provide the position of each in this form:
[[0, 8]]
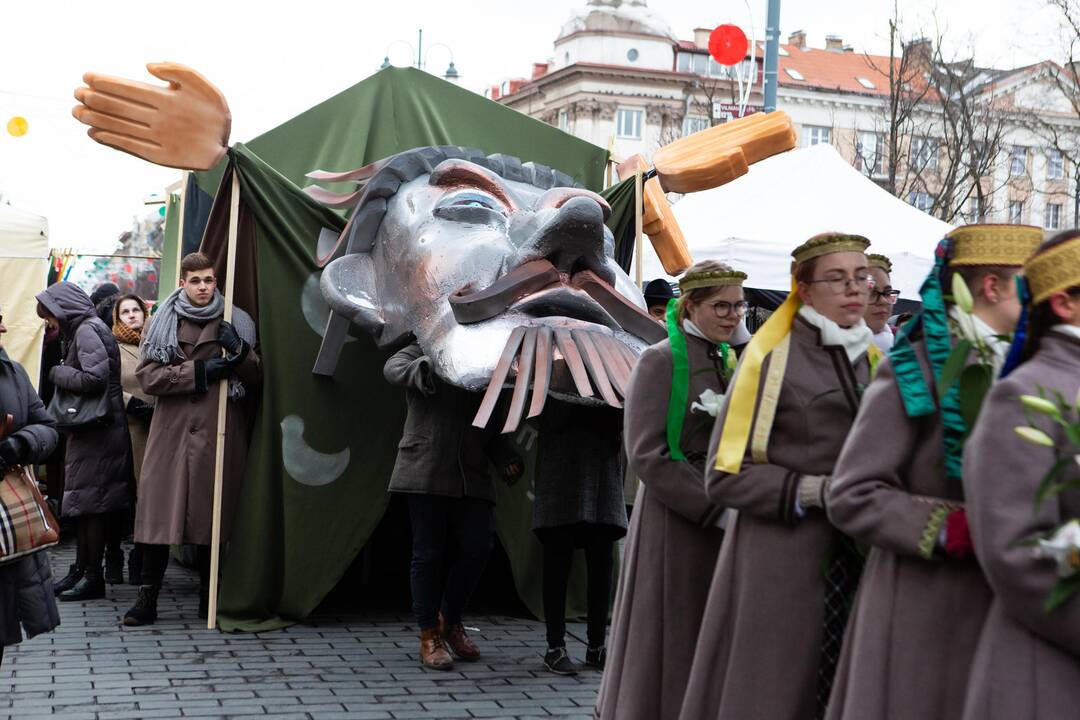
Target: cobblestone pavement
[[334, 667]]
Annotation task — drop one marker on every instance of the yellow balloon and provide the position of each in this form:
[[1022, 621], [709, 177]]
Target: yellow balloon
[[17, 126]]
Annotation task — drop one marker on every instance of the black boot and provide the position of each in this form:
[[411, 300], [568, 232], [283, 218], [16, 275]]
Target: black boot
[[75, 574], [114, 566], [135, 566], [91, 587], [144, 611]]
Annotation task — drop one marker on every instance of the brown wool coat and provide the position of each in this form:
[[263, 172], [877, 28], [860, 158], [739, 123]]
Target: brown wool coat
[[672, 545], [138, 428], [758, 649], [912, 634], [1027, 664], [177, 486]]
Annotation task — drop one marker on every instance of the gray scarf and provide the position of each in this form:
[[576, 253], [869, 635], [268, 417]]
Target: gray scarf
[[159, 341]]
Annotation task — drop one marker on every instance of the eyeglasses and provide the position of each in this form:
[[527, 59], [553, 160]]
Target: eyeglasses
[[888, 295], [722, 308], [839, 284]]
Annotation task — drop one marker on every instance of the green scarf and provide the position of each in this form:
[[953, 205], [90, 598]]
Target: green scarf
[[680, 379]]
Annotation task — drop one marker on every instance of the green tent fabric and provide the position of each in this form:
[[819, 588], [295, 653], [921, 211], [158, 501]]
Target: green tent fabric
[[293, 541]]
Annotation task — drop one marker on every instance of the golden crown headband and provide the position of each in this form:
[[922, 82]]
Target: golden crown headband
[[880, 261], [1002, 245], [710, 278], [827, 244], [1053, 271]]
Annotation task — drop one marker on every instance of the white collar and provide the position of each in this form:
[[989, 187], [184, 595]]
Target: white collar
[[692, 329], [1067, 329], [855, 340], [885, 339]]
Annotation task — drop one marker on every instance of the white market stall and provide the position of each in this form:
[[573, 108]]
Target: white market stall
[[24, 272], [754, 222]]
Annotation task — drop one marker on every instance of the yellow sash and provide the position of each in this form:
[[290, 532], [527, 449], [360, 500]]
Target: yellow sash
[[740, 412]]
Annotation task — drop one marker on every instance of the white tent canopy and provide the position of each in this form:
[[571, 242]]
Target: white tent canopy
[[24, 271], [755, 222]]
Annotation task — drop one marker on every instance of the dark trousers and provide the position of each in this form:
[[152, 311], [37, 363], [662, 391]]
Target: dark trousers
[[155, 560], [90, 543], [559, 544], [451, 542]]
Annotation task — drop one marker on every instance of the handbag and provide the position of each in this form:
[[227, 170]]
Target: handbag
[[71, 410], [26, 523]]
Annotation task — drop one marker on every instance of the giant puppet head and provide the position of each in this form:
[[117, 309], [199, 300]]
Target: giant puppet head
[[498, 268]]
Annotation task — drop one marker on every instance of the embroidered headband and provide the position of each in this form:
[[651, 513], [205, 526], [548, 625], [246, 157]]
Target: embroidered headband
[[880, 261], [1055, 270], [828, 243], [713, 278], [1006, 245]]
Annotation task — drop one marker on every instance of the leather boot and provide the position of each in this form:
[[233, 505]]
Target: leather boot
[[75, 574], [458, 640], [91, 587], [144, 611], [433, 653]]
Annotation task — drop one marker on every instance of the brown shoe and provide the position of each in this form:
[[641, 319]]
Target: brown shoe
[[458, 640], [433, 653]]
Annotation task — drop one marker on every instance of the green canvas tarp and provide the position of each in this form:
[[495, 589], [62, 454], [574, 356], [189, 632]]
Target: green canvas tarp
[[294, 537]]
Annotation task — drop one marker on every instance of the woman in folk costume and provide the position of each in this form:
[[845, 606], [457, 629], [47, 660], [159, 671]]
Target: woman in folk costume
[[674, 537], [1027, 663], [882, 299], [775, 617], [897, 489]]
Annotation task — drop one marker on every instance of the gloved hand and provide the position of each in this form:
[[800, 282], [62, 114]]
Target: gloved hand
[[422, 375], [218, 369], [12, 452], [138, 408], [229, 338], [812, 491], [958, 543]]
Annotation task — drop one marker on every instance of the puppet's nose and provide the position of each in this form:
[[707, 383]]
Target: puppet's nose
[[573, 239]]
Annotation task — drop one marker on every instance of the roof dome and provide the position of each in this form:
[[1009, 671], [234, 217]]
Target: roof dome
[[617, 16]]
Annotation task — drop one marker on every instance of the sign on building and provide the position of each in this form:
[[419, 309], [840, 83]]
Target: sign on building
[[730, 111]]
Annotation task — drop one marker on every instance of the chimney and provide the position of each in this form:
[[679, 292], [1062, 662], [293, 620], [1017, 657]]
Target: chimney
[[539, 70], [919, 53], [701, 37], [849, 49], [834, 43], [798, 39]]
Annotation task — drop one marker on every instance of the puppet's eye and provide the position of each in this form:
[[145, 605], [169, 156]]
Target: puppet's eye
[[474, 199]]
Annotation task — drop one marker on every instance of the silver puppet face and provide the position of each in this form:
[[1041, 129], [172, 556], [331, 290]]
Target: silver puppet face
[[463, 257]]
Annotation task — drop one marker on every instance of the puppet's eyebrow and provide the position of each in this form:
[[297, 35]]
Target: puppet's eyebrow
[[462, 173]]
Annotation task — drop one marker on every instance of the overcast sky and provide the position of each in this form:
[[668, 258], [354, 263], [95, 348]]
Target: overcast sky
[[272, 64]]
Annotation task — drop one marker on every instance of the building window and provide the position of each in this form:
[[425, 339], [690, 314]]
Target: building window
[[869, 148], [817, 135], [628, 123], [564, 121], [924, 152], [1055, 165], [632, 54], [922, 200], [682, 63], [695, 123], [1017, 160], [975, 210], [1016, 212], [1053, 216]]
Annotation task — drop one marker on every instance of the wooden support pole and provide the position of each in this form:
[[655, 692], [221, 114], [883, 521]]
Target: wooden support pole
[[223, 400], [638, 271]]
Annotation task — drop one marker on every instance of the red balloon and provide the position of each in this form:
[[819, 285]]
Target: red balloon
[[728, 44]]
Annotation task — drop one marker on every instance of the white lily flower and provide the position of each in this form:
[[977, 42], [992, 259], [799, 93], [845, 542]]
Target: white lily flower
[[962, 294], [1063, 547], [1040, 405], [1034, 436], [709, 402]]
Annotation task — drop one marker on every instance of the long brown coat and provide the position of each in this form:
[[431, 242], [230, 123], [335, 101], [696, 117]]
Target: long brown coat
[[177, 486], [138, 428], [908, 648], [1027, 664], [672, 545], [758, 649]]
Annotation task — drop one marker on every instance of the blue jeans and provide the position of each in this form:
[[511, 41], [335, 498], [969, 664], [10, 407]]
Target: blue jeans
[[451, 541]]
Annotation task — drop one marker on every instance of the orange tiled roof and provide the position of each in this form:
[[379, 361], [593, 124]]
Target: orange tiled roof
[[831, 70]]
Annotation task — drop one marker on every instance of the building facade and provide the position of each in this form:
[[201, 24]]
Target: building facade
[[620, 78]]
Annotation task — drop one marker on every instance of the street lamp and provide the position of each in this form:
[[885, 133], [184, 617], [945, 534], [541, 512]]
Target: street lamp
[[451, 74]]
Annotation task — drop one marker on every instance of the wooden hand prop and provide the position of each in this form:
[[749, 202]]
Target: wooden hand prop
[[184, 125], [658, 221]]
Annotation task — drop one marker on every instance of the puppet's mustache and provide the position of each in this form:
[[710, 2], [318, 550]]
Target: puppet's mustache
[[594, 356], [529, 278]]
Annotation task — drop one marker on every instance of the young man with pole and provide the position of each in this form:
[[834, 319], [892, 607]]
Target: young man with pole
[[187, 352]]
